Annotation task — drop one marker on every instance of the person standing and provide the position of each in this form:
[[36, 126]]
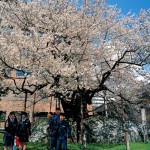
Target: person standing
[[10, 131], [53, 128], [24, 131], [64, 132], [50, 116]]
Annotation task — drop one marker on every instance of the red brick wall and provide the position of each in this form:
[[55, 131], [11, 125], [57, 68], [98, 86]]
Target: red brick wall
[[8, 105]]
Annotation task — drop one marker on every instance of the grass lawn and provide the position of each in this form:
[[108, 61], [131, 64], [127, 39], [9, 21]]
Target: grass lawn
[[133, 146], [1, 137]]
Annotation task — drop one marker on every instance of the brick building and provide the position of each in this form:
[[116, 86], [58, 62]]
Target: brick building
[[8, 104], [11, 102], [34, 107]]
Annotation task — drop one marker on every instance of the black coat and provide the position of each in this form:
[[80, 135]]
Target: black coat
[[64, 130], [10, 132], [24, 130], [11, 128]]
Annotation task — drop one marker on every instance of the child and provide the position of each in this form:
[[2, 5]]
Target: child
[[10, 131], [64, 132], [24, 131]]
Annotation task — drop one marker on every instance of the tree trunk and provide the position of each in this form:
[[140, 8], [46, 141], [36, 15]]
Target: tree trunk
[[33, 107], [123, 125], [123, 121], [79, 139], [51, 103], [25, 101]]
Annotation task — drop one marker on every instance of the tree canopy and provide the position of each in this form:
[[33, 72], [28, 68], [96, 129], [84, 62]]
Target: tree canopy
[[72, 50]]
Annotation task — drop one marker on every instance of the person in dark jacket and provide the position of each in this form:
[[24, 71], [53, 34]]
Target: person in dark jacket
[[64, 132], [53, 127], [10, 131], [50, 116], [24, 131]]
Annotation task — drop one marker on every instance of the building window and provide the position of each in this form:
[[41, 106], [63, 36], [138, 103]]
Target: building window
[[22, 73], [26, 1]]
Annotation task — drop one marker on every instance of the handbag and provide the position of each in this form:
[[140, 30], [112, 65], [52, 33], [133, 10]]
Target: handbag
[[17, 141]]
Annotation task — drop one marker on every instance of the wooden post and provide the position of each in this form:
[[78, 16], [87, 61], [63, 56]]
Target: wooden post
[[127, 141], [143, 113]]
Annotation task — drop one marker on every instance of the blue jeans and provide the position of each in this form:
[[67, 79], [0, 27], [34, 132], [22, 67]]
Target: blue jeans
[[53, 143], [63, 143]]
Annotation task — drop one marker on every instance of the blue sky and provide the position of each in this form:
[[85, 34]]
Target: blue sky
[[133, 5]]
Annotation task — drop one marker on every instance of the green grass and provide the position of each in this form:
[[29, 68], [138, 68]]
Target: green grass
[[133, 146], [1, 137]]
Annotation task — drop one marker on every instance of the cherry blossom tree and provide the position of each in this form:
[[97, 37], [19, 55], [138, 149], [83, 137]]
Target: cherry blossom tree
[[72, 50]]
